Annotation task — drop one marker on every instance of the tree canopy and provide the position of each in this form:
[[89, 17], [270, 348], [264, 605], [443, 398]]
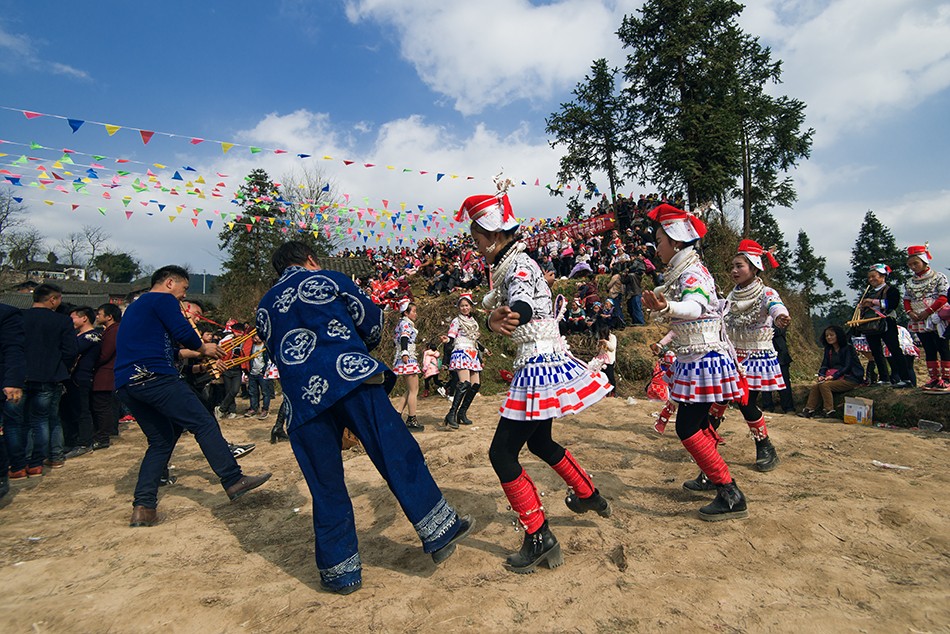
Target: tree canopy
[[875, 244], [117, 267], [273, 219]]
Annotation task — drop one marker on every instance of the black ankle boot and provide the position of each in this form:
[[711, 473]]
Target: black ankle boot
[[700, 485], [729, 504], [451, 419], [412, 423], [469, 397], [537, 548], [765, 457], [277, 432], [595, 502]]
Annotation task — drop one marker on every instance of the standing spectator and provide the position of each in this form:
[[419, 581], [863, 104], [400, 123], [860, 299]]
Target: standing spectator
[[52, 343], [882, 301], [615, 294], [76, 412], [925, 294], [634, 291], [232, 376], [780, 343], [105, 407], [260, 388], [12, 363]]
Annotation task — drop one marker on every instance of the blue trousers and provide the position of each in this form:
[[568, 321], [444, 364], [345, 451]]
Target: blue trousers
[[635, 308], [317, 445], [33, 429], [260, 391], [163, 407]]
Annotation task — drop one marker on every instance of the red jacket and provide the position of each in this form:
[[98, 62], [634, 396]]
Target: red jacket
[[104, 378]]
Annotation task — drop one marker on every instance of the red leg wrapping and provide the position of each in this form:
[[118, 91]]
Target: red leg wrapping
[[714, 435], [717, 410], [703, 450], [575, 477], [933, 369], [524, 500], [758, 429], [945, 367]]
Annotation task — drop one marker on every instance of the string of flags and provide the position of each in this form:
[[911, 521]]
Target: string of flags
[[146, 135]]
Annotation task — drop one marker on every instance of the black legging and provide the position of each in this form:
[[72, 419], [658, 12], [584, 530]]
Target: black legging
[[934, 346], [690, 418], [751, 411], [889, 337], [511, 436]]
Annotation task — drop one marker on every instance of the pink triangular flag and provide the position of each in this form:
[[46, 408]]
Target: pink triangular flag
[[128, 214]]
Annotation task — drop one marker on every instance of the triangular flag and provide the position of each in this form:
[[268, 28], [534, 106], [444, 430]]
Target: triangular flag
[[438, 177], [75, 124], [194, 221], [128, 214], [32, 115], [102, 210], [146, 136], [112, 129], [210, 222], [226, 146], [255, 150], [196, 141]]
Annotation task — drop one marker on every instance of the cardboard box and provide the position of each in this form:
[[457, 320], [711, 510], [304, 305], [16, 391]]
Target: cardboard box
[[858, 411]]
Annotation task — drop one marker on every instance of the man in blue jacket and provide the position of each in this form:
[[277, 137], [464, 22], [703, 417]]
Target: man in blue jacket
[[319, 328], [12, 366], [148, 382]]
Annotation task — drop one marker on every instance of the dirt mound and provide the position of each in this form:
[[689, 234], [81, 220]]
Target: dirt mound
[[832, 540]]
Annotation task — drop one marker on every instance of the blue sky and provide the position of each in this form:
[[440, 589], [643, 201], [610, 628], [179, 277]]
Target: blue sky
[[457, 88]]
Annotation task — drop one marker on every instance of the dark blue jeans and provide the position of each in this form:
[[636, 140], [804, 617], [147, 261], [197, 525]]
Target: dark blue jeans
[[34, 432], [260, 391], [635, 308], [163, 406], [368, 413]]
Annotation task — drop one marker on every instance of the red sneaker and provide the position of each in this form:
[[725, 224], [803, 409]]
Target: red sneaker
[[127, 419], [34, 471], [17, 475]]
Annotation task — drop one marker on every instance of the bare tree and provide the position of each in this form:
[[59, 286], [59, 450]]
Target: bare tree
[[307, 189], [74, 248], [11, 214], [95, 239], [24, 246]]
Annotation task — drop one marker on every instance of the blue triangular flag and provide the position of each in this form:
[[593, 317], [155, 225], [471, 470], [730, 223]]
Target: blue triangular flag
[[75, 124]]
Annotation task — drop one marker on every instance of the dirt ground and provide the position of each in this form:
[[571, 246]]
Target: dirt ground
[[833, 543]]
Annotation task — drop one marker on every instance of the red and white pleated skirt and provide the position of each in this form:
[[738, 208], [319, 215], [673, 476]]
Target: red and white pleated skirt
[[762, 370], [712, 379], [551, 386]]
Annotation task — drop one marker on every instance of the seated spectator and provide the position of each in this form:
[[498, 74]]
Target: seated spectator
[[841, 371]]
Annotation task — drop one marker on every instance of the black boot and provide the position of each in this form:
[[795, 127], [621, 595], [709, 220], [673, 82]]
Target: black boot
[[537, 548], [729, 504], [595, 502], [765, 457], [451, 419], [277, 433], [700, 485], [469, 397], [412, 423]]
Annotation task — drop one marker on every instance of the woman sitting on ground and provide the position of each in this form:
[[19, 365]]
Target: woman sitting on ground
[[841, 371]]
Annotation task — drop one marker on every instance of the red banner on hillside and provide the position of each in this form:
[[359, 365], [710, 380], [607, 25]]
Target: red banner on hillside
[[591, 226]]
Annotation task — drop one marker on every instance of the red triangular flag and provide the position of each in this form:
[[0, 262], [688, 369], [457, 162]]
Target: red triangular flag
[[128, 214], [32, 115], [146, 136], [345, 162], [194, 221], [74, 207], [196, 141]]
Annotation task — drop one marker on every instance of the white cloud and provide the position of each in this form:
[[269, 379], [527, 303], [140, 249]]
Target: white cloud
[[22, 51], [494, 52], [852, 62]]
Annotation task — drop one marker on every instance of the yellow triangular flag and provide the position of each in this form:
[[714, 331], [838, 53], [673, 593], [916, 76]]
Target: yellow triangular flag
[[159, 166], [172, 218], [56, 165], [112, 129], [200, 179], [226, 146]]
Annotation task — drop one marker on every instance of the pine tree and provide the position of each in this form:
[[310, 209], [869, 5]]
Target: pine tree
[[765, 231], [268, 220], [808, 272], [698, 115], [875, 244], [590, 127]]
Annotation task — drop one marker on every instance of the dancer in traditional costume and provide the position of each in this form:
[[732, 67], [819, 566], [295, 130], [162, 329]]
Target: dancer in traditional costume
[[705, 371], [406, 364], [753, 309], [548, 382], [924, 295], [321, 327], [463, 338]]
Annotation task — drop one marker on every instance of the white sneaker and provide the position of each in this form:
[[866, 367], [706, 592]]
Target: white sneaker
[[232, 415], [441, 392]]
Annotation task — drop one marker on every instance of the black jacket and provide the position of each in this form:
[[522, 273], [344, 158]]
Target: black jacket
[[52, 342], [846, 364], [12, 356]]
